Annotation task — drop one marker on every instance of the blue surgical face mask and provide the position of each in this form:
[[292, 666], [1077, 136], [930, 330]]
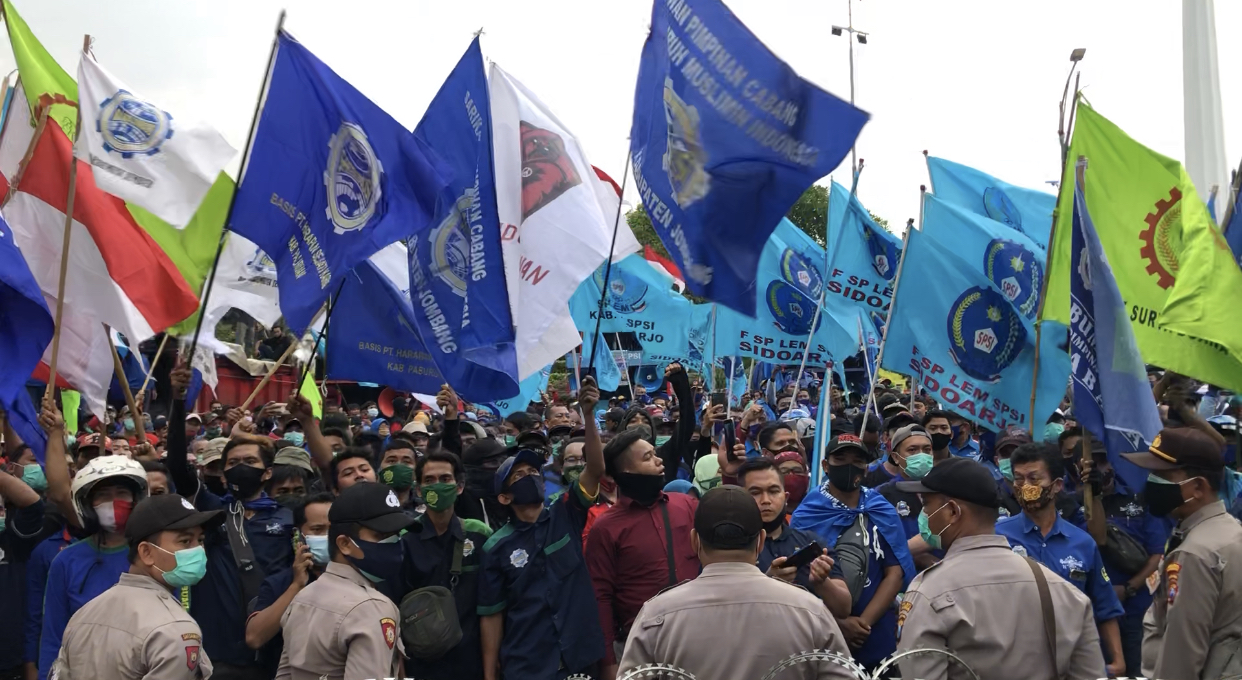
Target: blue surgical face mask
[[1006, 468], [190, 569], [380, 561], [296, 438], [510, 440], [34, 478], [1052, 431], [318, 549]]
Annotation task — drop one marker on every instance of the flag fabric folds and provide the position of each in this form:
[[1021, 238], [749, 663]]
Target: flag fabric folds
[[863, 259], [1173, 268], [530, 390], [331, 179], [26, 328], [245, 280], [964, 324], [607, 373], [140, 152], [640, 301], [50, 86], [457, 275], [1112, 398], [725, 138], [555, 228], [1029, 211]]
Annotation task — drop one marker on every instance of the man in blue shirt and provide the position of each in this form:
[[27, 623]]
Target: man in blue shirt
[[912, 452], [538, 617], [1041, 534], [963, 446]]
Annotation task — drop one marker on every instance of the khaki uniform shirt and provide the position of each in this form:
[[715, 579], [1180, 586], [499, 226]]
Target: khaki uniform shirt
[[135, 629], [1198, 606], [340, 627], [981, 603], [734, 622]]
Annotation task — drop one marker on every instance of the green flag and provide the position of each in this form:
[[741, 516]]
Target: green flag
[[1154, 229], [70, 402], [191, 249], [311, 391]]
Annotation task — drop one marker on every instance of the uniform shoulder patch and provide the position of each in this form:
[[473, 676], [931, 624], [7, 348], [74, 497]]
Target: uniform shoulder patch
[[191, 656], [1171, 572], [389, 628], [191, 636], [906, 605]]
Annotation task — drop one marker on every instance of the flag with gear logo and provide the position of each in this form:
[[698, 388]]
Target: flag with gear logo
[[1173, 267]]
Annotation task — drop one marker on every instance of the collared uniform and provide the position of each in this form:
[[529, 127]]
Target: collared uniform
[[789, 542], [1070, 553], [981, 603], [908, 506], [968, 450], [1196, 617], [733, 622], [340, 627], [135, 629]]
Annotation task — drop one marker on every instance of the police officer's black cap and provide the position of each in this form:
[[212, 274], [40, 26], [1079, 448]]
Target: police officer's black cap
[[168, 512], [728, 518], [371, 505], [960, 478], [1178, 447]]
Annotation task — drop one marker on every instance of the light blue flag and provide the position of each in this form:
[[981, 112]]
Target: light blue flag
[[529, 389], [966, 327], [1112, 398], [863, 262], [1027, 210], [791, 276], [607, 373], [700, 351], [737, 386], [640, 300]]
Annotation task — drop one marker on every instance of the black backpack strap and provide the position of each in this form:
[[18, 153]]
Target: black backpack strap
[[459, 549], [248, 570], [668, 538]]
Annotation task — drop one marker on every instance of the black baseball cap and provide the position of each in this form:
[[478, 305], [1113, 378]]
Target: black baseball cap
[[1177, 447], [374, 506], [960, 478], [516, 455], [168, 512], [845, 442], [728, 518], [898, 419]]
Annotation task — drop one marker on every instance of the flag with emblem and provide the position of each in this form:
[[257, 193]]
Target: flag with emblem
[[1173, 268], [1028, 211], [640, 300], [863, 259], [331, 179], [25, 331], [245, 280], [142, 153]]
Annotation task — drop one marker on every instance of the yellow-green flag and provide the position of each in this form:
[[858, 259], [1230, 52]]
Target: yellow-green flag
[[70, 402], [311, 391], [1172, 267], [191, 249]]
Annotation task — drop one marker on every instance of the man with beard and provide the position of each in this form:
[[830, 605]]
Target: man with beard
[[1043, 535], [642, 545]]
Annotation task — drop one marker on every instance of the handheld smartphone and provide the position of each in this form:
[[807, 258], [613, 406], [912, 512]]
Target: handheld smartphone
[[724, 433], [718, 398], [805, 555]]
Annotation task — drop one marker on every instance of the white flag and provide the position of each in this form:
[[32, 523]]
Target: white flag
[[245, 280], [554, 229], [141, 153]]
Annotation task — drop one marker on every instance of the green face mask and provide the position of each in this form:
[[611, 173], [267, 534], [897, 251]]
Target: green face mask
[[1006, 468], [918, 465], [398, 477], [34, 478], [510, 440], [191, 567], [572, 473], [932, 540], [439, 496], [660, 441]]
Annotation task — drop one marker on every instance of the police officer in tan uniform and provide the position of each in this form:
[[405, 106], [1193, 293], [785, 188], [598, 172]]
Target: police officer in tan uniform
[[137, 628], [982, 602], [733, 621], [340, 626], [1194, 627]]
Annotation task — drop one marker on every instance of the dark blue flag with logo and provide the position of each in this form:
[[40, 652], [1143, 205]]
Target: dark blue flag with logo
[[725, 139], [26, 329], [331, 179], [372, 335], [1112, 398], [457, 274]]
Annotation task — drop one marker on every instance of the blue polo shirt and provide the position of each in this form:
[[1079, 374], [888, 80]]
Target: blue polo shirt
[[968, 450], [1129, 513], [1071, 553], [36, 583], [78, 574], [535, 574], [789, 542], [883, 639]]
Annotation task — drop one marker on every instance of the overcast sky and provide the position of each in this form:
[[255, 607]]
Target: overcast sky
[[974, 81]]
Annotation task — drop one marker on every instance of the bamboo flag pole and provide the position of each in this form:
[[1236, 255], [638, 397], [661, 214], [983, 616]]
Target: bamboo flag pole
[[64, 249], [151, 369], [140, 429], [263, 383]]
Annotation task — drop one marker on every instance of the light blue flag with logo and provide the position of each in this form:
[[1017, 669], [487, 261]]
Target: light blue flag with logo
[[737, 383], [863, 260], [457, 272], [529, 389], [331, 180], [607, 373], [791, 276], [700, 351], [640, 300], [725, 138], [1027, 210], [966, 327], [1112, 398]]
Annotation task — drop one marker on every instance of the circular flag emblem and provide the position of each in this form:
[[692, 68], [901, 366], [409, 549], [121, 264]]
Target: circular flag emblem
[[798, 271], [626, 292], [985, 333], [793, 311], [1017, 272], [998, 206]]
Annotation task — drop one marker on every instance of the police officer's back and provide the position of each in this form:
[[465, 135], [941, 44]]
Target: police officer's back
[[136, 628], [732, 621], [340, 626], [982, 602], [1194, 627]]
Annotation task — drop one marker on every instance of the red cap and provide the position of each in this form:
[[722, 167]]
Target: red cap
[[93, 440]]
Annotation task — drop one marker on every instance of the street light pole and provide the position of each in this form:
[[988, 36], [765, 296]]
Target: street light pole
[[862, 40]]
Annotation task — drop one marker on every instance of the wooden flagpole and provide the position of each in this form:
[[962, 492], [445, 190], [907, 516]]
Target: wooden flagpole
[[140, 429], [150, 370], [262, 383]]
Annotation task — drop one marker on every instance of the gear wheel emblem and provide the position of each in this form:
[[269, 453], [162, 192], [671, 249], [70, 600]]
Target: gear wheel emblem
[[1162, 239], [130, 126]]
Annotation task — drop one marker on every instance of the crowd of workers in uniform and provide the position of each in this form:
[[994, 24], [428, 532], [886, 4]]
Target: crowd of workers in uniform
[[672, 531]]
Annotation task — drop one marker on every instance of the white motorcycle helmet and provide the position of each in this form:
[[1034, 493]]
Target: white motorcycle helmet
[[104, 468]]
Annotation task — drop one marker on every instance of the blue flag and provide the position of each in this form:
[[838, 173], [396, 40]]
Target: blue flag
[[863, 260], [1027, 210], [331, 180], [640, 301], [1112, 398], [371, 333], [791, 277], [457, 275], [607, 373], [965, 322], [725, 139], [700, 350], [26, 329], [529, 390]]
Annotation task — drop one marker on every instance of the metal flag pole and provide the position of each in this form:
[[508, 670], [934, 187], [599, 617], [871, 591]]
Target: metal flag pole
[[888, 320], [603, 294], [241, 175], [861, 37]]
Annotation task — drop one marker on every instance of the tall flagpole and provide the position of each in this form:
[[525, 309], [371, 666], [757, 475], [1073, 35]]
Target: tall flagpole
[[888, 320], [612, 248]]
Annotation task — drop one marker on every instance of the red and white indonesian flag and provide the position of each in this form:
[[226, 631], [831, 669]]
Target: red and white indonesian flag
[[556, 220], [117, 275], [141, 153]]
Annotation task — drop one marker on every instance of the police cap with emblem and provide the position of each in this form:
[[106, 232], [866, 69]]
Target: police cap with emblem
[[728, 519], [167, 512], [959, 478], [1179, 447], [371, 505]]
